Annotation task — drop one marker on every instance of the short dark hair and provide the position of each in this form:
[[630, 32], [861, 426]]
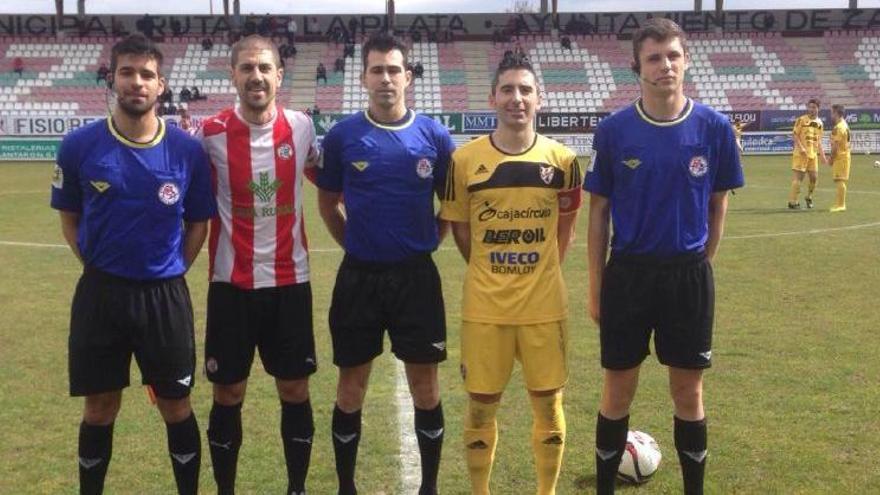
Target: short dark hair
[[382, 42], [136, 44], [816, 101], [514, 61], [658, 29], [254, 41], [838, 109]]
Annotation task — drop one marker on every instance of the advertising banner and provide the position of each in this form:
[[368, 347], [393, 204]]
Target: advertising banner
[[27, 149], [478, 123], [568, 123]]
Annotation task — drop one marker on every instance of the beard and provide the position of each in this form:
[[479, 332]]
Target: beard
[[254, 104], [135, 110]]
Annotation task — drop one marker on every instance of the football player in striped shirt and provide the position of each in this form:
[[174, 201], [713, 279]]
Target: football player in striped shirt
[[512, 198], [387, 162], [805, 155], [259, 295], [840, 156], [660, 173]]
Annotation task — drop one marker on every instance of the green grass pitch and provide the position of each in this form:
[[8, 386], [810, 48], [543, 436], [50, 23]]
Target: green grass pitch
[[792, 399]]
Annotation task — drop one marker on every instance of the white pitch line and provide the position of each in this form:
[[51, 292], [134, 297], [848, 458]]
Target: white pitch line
[[410, 463], [32, 191], [451, 248], [820, 189], [802, 232], [32, 244]]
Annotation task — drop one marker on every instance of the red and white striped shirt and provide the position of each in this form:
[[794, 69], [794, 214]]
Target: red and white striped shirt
[[258, 238]]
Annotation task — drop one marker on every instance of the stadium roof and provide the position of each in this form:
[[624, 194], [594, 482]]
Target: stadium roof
[[403, 6]]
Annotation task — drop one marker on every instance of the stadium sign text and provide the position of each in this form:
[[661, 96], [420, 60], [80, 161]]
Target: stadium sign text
[[569, 122], [457, 24], [44, 125], [28, 149]]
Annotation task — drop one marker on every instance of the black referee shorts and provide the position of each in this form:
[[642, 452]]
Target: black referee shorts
[[403, 297], [275, 320], [674, 297], [113, 318]]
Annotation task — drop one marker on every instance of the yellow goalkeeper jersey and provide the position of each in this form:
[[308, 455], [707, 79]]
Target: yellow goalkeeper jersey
[[512, 203]]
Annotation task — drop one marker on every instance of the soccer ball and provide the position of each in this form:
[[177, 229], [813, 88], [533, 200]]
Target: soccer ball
[[641, 458], [876, 163]]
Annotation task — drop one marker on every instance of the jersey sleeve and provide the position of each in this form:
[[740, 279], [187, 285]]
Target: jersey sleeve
[[445, 149], [599, 178], [199, 204], [454, 200], [330, 172], [570, 195], [305, 138], [729, 175], [66, 193]]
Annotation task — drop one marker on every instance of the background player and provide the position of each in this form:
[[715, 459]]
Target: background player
[[515, 304], [134, 197], [738, 128], [260, 295], [840, 156], [804, 160], [661, 170], [388, 162]]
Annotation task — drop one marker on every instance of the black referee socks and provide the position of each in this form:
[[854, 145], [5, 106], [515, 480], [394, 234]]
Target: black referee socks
[[224, 440], [184, 445], [610, 443], [95, 449], [429, 432], [691, 442], [346, 436], [297, 430]]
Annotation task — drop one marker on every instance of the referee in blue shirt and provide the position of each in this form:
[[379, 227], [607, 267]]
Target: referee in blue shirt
[[661, 171], [387, 162], [134, 198]]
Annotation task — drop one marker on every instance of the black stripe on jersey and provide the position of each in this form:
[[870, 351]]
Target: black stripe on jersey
[[449, 192], [522, 174], [575, 179]]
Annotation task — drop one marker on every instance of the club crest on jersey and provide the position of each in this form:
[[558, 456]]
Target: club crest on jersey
[[632, 163], [58, 177], [285, 151], [698, 166], [361, 165], [424, 168], [169, 193], [547, 173]]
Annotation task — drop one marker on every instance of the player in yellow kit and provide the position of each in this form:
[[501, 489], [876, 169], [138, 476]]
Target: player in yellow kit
[[512, 198], [840, 156], [738, 129], [805, 155]]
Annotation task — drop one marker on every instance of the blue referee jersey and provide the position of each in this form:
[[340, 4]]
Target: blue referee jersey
[[132, 197], [388, 175], [659, 176]]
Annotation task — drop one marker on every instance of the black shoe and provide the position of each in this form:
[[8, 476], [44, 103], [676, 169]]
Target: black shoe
[[794, 206], [809, 202]]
